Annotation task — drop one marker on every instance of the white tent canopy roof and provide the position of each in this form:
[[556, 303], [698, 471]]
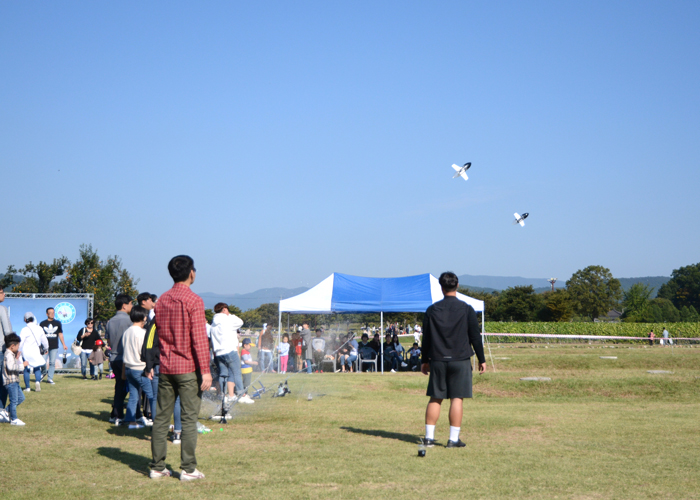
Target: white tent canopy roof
[[344, 293]]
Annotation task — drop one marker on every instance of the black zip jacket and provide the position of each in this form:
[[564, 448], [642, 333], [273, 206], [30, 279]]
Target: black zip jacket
[[451, 332]]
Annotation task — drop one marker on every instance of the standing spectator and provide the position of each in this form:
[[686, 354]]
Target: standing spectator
[[13, 365], [116, 326], [266, 343], [451, 336], [148, 302], [184, 367], [318, 345], [297, 342], [247, 366], [306, 337], [416, 334], [87, 337], [54, 331], [283, 350], [665, 334], [224, 341], [5, 329], [150, 354], [132, 341], [32, 342], [651, 338]]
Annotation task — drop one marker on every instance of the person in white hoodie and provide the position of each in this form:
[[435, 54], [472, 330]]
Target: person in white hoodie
[[224, 341], [31, 337]]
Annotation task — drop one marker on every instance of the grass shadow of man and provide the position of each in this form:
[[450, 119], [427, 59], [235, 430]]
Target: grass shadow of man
[[406, 438], [134, 461]]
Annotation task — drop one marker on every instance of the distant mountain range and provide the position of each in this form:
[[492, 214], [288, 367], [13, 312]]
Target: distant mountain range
[[251, 300]]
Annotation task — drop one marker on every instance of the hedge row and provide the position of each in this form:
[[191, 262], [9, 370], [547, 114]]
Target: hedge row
[[603, 329]]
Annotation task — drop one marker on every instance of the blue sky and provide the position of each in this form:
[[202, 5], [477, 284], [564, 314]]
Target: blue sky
[[279, 142]]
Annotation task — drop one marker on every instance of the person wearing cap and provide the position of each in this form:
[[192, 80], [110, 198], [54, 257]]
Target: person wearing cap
[[97, 359], [5, 330], [451, 336], [31, 337], [247, 364]]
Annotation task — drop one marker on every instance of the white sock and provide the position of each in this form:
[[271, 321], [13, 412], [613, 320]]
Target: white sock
[[454, 434], [429, 432]]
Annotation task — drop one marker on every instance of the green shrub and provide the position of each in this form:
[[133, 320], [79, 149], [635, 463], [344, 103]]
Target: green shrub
[[603, 329]]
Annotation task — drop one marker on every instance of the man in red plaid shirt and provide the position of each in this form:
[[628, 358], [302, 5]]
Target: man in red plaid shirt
[[184, 367]]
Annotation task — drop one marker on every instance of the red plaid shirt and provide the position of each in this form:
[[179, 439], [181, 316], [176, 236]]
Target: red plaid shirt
[[184, 347]]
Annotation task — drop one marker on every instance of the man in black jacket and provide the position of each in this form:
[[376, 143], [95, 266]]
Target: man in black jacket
[[451, 336]]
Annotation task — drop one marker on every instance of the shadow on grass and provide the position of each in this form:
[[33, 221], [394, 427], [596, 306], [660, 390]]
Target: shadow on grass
[[102, 416], [406, 438], [143, 434], [134, 461]]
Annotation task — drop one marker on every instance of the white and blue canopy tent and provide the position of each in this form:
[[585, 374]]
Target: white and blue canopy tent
[[344, 293]]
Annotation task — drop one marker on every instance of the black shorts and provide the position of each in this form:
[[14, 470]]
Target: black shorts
[[450, 379]]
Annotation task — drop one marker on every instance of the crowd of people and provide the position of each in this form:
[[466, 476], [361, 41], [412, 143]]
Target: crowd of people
[[161, 366]]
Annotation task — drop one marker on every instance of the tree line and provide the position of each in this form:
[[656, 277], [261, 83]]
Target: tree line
[[592, 292]]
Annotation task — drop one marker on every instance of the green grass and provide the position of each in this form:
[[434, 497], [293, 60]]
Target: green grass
[[599, 429]]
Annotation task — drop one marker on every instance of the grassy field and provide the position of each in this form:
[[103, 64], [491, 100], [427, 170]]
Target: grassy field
[[599, 429]]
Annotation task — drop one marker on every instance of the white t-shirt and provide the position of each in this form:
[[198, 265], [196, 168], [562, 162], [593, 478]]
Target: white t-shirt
[[133, 341]]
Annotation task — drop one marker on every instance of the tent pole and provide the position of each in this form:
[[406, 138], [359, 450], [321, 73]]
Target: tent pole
[[381, 337], [279, 337]]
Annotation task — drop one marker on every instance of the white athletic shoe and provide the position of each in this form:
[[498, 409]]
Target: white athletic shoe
[[177, 437], [17, 422], [134, 426], [4, 417], [37, 386], [158, 474], [49, 381], [246, 399], [117, 422], [191, 476], [27, 389], [393, 371], [146, 422], [403, 364]]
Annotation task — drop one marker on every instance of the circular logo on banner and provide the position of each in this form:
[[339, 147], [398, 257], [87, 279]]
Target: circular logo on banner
[[65, 312]]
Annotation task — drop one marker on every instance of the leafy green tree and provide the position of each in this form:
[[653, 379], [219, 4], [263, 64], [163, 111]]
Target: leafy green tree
[[36, 278], [235, 310], [490, 301], [209, 315], [558, 306], [636, 302], [105, 279], [669, 313], [683, 289], [519, 303], [594, 291], [689, 314]]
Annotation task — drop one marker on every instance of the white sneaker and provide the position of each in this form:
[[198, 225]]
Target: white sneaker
[[246, 399], [134, 425], [17, 422], [27, 389], [37, 386], [146, 422], [229, 399], [191, 476], [403, 364], [4, 417], [157, 474], [117, 422], [393, 371], [177, 437]]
